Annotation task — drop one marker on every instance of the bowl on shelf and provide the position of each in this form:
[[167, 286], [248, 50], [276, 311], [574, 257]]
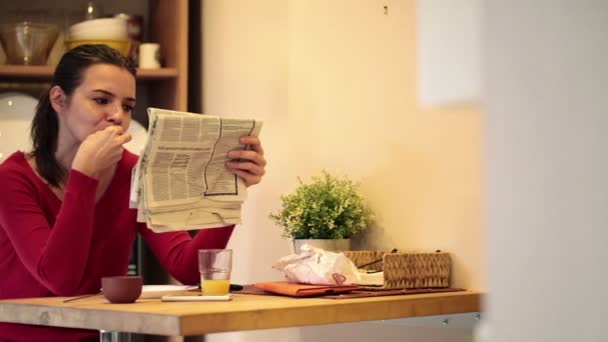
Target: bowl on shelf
[[103, 28], [122, 46], [27, 43]]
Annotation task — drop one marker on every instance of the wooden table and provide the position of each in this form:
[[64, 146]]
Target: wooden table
[[244, 312]]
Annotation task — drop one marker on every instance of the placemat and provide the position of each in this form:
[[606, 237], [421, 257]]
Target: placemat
[[250, 289]]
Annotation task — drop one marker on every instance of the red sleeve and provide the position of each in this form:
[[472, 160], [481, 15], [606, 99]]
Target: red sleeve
[[178, 252], [56, 256]]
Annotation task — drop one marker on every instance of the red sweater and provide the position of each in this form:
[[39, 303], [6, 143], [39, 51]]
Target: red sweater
[[54, 248]]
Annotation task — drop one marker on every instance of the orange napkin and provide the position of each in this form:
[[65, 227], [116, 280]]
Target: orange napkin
[[303, 290]]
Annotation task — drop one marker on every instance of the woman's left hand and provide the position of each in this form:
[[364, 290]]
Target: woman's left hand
[[248, 164]]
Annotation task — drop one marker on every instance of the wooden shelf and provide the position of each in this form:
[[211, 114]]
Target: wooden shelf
[[152, 74], [26, 72], [45, 72]]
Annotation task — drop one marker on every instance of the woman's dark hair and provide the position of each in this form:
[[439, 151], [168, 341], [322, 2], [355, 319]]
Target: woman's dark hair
[[68, 76]]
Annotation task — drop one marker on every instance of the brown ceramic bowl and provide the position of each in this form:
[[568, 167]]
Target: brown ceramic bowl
[[122, 289]]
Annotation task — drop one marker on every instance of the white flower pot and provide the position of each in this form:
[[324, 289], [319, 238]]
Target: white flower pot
[[325, 244]]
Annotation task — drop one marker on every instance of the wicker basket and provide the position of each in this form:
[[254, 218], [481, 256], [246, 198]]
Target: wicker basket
[[407, 270]]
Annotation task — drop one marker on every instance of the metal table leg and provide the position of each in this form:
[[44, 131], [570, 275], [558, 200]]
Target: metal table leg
[[114, 336]]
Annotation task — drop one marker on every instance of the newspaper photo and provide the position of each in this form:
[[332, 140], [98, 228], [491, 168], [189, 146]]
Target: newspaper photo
[[180, 181]]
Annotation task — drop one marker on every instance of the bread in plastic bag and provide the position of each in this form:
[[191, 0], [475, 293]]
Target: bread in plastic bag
[[319, 267]]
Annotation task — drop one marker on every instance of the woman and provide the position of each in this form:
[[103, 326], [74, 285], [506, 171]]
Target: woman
[[64, 217]]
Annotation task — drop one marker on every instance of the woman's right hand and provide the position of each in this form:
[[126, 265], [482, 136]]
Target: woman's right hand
[[100, 151]]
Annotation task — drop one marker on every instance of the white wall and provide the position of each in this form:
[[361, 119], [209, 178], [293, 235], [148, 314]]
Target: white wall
[[547, 115], [334, 82], [448, 49]]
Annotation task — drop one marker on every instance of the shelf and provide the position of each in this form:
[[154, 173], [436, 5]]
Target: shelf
[[45, 72], [152, 74]]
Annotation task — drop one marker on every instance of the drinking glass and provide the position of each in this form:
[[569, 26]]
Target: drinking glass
[[215, 266]]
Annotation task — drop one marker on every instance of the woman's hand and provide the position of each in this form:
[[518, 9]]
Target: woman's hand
[[100, 151], [248, 164]]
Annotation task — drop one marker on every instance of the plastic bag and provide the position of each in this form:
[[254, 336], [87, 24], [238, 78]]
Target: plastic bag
[[319, 267]]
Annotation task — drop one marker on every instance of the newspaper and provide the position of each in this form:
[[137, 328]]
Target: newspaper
[[180, 181]]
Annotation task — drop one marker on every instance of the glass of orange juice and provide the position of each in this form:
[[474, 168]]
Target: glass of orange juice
[[215, 266]]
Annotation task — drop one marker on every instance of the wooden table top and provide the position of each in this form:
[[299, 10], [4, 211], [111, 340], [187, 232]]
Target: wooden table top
[[243, 312]]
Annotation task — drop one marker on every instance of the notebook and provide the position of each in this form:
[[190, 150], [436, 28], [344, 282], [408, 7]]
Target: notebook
[[303, 290]]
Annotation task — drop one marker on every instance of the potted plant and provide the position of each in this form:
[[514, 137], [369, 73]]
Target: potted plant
[[325, 213]]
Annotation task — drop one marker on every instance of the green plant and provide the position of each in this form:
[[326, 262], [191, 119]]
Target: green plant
[[330, 207]]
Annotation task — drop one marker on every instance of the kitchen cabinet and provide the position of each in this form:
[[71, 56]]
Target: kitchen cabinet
[[166, 23]]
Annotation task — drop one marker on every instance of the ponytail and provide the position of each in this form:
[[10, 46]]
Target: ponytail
[[44, 132]]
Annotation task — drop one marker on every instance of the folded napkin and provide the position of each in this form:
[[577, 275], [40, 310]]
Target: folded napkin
[[303, 290]]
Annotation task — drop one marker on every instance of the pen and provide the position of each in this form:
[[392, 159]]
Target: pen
[[236, 287]]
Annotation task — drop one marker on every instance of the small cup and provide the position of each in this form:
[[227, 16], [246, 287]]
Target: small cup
[[215, 266], [149, 56], [121, 289]]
